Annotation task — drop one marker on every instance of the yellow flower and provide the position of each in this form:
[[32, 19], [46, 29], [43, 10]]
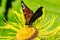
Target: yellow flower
[[25, 33]]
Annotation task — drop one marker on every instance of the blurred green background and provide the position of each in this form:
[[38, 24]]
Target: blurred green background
[[50, 20]]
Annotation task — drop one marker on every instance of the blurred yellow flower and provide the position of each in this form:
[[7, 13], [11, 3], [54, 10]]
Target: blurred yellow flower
[[25, 33]]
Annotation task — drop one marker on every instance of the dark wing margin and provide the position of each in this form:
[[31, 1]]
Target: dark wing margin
[[36, 15]]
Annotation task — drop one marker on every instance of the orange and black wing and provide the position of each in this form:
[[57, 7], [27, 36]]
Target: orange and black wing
[[27, 13]]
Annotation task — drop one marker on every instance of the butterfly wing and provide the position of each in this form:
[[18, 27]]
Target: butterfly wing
[[27, 13], [36, 15]]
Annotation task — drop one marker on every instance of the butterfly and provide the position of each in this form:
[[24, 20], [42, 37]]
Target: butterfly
[[29, 15], [30, 18]]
